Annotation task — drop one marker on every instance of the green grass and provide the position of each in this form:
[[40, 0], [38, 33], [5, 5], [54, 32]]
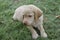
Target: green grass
[[10, 30]]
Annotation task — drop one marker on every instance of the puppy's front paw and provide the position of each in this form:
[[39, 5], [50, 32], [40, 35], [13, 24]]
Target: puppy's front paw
[[35, 36], [44, 35]]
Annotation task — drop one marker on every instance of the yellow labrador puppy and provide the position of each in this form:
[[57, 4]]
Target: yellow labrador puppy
[[31, 16]]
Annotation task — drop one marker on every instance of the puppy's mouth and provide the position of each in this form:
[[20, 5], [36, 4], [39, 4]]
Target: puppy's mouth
[[26, 24]]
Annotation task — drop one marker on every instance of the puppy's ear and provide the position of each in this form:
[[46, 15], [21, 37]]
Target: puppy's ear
[[37, 12]]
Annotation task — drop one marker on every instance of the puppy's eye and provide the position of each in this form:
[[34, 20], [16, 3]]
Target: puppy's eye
[[29, 16]]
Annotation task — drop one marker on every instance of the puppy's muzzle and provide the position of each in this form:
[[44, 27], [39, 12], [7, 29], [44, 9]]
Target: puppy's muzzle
[[25, 22]]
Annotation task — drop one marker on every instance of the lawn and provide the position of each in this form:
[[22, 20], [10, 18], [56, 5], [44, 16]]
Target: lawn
[[13, 30]]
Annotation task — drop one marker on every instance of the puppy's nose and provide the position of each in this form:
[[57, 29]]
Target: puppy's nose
[[25, 23]]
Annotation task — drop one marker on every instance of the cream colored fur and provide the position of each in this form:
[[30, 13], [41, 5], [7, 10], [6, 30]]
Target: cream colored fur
[[31, 16]]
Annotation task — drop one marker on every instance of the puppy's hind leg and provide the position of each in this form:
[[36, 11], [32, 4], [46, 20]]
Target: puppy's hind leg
[[34, 33]]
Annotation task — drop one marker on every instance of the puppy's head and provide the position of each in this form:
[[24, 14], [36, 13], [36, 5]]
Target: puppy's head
[[31, 16], [28, 17]]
